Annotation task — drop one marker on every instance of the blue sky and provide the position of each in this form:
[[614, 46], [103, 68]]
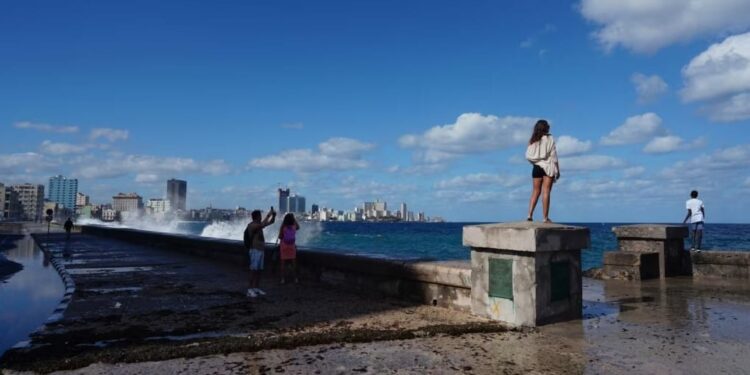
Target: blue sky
[[426, 102]]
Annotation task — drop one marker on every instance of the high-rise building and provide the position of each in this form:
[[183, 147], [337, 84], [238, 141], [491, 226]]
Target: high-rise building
[[177, 194], [283, 200], [295, 204], [130, 202], [82, 200], [31, 198], [10, 207], [403, 213], [63, 191], [314, 208]]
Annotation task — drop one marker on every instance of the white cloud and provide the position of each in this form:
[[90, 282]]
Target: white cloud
[[648, 88], [146, 177], [567, 145], [670, 143], [647, 25], [534, 38], [25, 163], [482, 180], [120, 165], [720, 75], [333, 154], [109, 134], [46, 127], [352, 188], [589, 163], [635, 129], [60, 148], [472, 133], [728, 159], [634, 171]]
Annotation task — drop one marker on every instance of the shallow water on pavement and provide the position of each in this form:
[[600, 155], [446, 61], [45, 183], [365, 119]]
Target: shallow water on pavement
[[28, 297]]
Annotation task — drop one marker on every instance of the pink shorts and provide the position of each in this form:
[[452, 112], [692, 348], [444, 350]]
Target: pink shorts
[[288, 251]]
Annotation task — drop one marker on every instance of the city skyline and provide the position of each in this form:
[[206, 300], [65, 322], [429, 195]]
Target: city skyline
[[428, 104]]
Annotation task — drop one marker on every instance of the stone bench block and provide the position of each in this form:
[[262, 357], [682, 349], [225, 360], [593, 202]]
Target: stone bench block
[[666, 240], [724, 264], [526, 273], [627, 265]]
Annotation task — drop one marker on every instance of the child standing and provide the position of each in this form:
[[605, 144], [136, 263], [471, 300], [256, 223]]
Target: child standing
[[288, 246]]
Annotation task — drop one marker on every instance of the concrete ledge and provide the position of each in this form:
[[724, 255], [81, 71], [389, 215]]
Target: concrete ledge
[[724, 264], [445, 284], [526, 236], [651, 231], [626, 265]]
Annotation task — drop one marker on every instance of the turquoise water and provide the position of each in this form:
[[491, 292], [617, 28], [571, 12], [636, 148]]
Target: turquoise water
[[442, 241]]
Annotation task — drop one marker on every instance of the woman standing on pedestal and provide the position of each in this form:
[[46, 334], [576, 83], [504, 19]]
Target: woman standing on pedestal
[[541, 152]]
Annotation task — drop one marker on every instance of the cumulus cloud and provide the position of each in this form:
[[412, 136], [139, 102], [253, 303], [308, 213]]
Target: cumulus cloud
[[567, 145], [46, 127], [61, 148], [635, 129], [109, 134], [332, 154], [723, 160], [472, 133], [481, 179], [144, 165], [645, 26], [648, 88], [590, 163], [353, 188], [25, 163], [720, 75], [633, 171], [670, 143], [146, 177]]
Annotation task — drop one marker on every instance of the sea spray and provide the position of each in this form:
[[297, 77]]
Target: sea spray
[[164, 225], [308, 231]]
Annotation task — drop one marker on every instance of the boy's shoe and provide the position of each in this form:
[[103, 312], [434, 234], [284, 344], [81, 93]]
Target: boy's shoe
[[259, 292], [251, 293], [283, 281], [296, 280]]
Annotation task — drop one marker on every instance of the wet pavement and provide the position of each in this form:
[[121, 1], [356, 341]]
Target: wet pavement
[[29, 295], [187, 314]]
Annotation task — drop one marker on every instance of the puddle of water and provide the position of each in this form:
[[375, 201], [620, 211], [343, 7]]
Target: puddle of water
[[28, 297], [91, 271]]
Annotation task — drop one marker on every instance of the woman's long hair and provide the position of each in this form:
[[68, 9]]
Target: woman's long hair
[[288, 220], [540, 130]]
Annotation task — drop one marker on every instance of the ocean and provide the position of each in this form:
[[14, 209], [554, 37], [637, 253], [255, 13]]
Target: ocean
[[442, 241]]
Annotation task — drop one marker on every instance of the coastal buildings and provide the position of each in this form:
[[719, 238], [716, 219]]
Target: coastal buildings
[[130, 202], [10, 207], [283, 200], [158, 206], [177, 194], [63, 191], [82, 200], [296, 204], [31, 199]]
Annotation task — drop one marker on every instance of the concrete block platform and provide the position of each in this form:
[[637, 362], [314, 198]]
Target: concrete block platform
[[630, 265]]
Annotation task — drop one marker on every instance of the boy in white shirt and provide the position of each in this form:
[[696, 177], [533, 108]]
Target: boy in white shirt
[[696, 214]]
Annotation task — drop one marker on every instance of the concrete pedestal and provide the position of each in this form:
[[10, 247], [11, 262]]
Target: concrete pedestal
[[526, 273], [666, 240]]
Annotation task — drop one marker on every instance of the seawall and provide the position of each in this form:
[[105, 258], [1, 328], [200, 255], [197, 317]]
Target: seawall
[[439, 283]]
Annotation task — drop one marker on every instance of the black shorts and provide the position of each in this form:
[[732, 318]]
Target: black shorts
[[537, 172]]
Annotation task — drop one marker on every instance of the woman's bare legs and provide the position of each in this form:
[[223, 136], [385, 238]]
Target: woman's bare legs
[[535, 191], [546, 191]]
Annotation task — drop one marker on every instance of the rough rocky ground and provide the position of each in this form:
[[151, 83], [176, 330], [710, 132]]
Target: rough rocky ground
[[674, 326]]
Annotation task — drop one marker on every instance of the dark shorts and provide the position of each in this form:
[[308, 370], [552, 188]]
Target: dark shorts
[[537, 172]]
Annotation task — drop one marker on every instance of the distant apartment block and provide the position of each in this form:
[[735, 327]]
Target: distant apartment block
[[82, 200], [177, 194], [283, 201], [295, 204], [63, 191], [130, 202], [158, 205], [10, 207], [31, 198]]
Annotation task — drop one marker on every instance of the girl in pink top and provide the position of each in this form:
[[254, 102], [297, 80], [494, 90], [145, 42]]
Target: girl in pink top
[[288, 246]]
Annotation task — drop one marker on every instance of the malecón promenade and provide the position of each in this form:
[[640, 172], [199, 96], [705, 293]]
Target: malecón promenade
[[150, 305]]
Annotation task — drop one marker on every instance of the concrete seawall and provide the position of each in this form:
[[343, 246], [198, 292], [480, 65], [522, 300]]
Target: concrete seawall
[[438, 283], [724, 264]]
